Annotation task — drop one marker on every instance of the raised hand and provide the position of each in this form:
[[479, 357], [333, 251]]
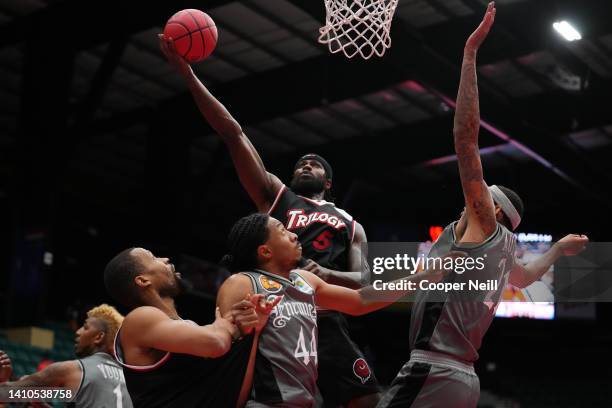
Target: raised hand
[[572, 244], [479, 35], [166, 44]]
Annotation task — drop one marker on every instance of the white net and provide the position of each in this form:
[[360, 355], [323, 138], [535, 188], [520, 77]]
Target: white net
[[358, 27]]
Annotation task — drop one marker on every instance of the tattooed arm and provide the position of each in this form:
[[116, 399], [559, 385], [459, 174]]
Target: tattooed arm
[[481, 222]]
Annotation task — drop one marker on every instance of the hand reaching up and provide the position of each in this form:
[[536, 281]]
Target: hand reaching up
[[166, 44], [480, 34]]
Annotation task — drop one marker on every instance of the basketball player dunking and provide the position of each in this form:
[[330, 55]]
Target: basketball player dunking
[[445, 334], [266, 254], [95, 379], [330, 237], [170, 362]]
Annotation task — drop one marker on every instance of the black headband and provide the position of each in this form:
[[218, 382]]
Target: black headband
[[324, 163]]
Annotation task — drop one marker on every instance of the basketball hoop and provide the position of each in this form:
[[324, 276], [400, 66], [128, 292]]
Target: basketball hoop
[[358, 27]]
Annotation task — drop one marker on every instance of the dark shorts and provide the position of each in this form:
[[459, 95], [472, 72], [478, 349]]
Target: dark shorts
[[344, 373]]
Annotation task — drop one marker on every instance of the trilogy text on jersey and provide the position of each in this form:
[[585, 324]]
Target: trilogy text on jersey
[[298, 219]]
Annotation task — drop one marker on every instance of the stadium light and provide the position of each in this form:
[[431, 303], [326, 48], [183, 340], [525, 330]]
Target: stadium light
[[567, 31]]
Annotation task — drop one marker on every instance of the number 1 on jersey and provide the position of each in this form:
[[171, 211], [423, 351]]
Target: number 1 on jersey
[[119, 395]]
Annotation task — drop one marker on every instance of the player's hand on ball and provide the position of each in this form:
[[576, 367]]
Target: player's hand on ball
[[481, 32], [6, 368], [572, 244], [168, 48]]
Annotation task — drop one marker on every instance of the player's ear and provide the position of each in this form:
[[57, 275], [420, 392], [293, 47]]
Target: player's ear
[[142, 281], [100, 338], [328, 184], [264, 252]]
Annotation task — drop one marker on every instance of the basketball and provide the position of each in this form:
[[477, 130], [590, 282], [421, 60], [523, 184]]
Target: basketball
[[194, 34]]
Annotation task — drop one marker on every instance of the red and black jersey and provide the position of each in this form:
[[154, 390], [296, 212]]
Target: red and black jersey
[[325, 231]]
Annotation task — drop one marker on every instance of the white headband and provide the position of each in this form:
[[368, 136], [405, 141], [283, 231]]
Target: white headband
[[506, 205]]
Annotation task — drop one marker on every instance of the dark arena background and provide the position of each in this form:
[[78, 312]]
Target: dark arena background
[[102, 148]]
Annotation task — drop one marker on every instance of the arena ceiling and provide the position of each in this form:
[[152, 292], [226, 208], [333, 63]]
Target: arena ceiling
[[97, 127]]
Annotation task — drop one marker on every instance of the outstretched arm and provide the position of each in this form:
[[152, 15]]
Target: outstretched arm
[[524, 275], [481, 222], [368, 299], [63, 374], [259, 184], [356, 276], [149, 327]]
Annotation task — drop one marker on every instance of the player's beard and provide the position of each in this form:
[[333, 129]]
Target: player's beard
[[308, 186], [181, 286]]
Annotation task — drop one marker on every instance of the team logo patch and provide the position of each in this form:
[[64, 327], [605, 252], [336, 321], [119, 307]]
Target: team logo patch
[[362, 370], [269, 285], [301, 285]]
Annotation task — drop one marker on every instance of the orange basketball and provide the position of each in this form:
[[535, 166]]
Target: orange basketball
[[194, 34]]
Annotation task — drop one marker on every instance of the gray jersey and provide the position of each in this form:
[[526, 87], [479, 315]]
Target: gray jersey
[[102, 383], [456, 324], [286, 365]]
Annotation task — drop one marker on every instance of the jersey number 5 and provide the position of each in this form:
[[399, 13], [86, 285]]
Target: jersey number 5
[[323, 241]]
